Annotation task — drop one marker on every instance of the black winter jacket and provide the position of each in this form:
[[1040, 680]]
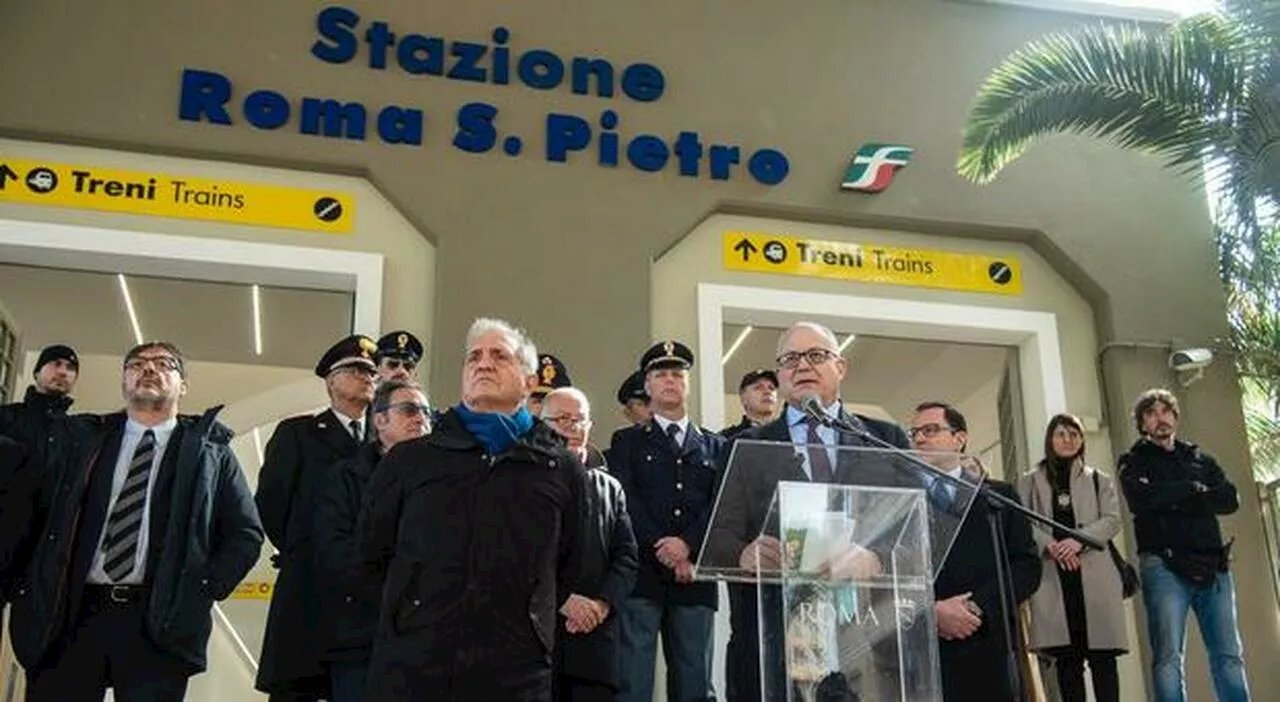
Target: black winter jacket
[[39, 423], [17, 490], [480, 553], [349, 590], [210, 541], [610, 562], [1169, 510]]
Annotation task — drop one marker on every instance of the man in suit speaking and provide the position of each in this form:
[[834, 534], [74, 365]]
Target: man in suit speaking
[[809, 367]]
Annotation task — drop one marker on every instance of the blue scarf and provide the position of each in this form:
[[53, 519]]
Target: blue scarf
[[495, 431]]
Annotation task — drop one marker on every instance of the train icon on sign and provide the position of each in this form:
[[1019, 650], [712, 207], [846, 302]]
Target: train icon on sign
[[41, 180]]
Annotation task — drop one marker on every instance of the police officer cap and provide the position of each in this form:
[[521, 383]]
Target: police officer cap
[[666, 354], [633, 389], [758, 374], [355, 350], [399, 344], [551, 375]]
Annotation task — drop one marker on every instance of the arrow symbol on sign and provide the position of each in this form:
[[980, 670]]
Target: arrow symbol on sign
[[6, 173], [746, 248]]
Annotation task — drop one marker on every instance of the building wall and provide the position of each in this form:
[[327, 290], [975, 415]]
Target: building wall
[[567, 249]]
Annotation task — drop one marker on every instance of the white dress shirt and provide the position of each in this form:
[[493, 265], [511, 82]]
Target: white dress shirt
[[346, 424], [683, 423], [133, 432], [798, 425]]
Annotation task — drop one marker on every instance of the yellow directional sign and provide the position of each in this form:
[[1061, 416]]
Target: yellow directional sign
[[251, 590], [169, 195], [871, 263]]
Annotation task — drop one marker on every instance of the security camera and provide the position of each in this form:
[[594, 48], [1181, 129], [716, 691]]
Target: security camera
[[1184, 360]]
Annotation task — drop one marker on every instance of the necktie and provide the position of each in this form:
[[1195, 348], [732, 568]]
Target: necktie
[[673, 431], [819, 461], [120, 547], [355, 430]]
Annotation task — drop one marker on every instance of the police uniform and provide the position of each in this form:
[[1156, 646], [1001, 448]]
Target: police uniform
[[670, 490], [296, 459], [399, 345], [631, 389], [552, 375]]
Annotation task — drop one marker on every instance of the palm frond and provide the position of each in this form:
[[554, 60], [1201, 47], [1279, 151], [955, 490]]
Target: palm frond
[[1263, 431], [1163, 92]]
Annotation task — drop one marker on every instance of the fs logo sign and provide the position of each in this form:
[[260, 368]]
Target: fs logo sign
[[873, 167]]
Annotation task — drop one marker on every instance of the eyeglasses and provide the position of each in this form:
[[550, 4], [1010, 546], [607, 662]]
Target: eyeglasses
[[928, 431], [569, 421], [815, 357], [162, 363], [396, 364], [409, 409]]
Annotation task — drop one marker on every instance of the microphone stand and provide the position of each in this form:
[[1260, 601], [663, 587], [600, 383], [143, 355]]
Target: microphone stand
[[997, 505]]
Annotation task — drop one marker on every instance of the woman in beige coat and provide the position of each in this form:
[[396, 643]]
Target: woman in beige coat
[[1077, 615]]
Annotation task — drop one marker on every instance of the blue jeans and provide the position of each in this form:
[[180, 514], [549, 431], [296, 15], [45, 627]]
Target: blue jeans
[[1167, 599], [687, 638]]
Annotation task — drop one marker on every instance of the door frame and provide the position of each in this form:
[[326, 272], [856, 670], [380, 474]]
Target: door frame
[[1033, 333]]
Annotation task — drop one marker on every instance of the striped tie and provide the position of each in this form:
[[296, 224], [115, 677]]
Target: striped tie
[[120, 547]]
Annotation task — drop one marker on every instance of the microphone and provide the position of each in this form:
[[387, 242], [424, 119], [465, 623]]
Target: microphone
[[812, 407]]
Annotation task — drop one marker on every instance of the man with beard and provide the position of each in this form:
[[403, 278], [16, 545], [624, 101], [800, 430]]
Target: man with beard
[[758, 393], [294, 467], [587, 643], [37, 421], [350, 593], [1176, 491], [478, 528], [150, 522]]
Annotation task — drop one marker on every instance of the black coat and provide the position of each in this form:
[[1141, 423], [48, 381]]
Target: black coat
[[668, 495], [751, 477], [39, 423], [349, 591], [205, 537], [1168, 511], [738, 429], [18, 483], [480, 552], [296, 463], [608, 572], [977, 667]]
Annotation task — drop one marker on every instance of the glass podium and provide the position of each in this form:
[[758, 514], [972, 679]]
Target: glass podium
[[842, 572]]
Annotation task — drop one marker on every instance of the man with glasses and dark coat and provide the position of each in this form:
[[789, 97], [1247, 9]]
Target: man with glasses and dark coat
[[668, 467], [147, 525], [809, 365], [587, 641], [351, 593], [295, 464]]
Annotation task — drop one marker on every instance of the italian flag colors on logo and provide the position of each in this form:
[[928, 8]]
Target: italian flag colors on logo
[[873, 166]]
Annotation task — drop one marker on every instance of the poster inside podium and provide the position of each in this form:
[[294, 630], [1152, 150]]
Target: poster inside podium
[[842, 571]]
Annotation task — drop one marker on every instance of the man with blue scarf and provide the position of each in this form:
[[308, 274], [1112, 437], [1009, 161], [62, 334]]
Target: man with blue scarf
[[478, 528]]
